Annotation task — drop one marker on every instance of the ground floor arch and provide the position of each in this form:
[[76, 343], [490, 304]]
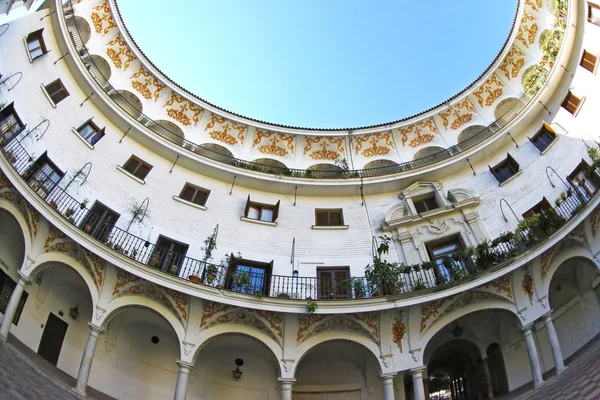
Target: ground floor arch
[[12, 241]]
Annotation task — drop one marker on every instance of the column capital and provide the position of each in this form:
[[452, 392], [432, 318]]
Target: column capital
[[389, 376], [24, 278], [185, 364], [418, 370], [95, 328], [547, 317], [404, 236], [527, 328], [290, 381]]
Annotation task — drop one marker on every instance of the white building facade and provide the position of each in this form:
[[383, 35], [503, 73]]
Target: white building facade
[[153, 243]]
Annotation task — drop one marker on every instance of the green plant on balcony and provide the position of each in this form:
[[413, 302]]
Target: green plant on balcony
[[210, 243], [384, 276], [419, 285], [311, 306], [242, 279], [211, 273]]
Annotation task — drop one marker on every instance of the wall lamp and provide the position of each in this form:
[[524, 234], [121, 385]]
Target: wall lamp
[[237, 374]]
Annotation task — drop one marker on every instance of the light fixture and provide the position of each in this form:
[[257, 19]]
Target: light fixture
[[74, 311], [457, 331], [295, 273], [237, 374]]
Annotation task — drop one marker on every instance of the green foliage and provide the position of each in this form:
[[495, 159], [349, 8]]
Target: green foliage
[[210, 243], [311, 306], [242, 279], [383, 276]]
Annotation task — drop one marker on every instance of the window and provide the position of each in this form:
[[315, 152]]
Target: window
[[57, 92], [425, 203], [571, 103], [332, 283], [593, 13], [43, 176], [194, 194], [168, 255], [544, 137], [137, 167], [333, 217], [589, 61], [99, 221], [506, 169], [543, 207], [7, 286], [36, 45], [439, 251], [90, 132], [260, 211], [583, 180], [247, 276], [10, 124]]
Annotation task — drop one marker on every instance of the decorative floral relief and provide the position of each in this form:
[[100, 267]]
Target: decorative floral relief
[[225, 127], [430, 310], [502, 286], [527, 284], [35, 219], [147, 84], [418, 134], [310, 325], [490, 91], [117, 49], [535, 4], [280, 144], [185, 111], [576, 238], [103, 15], [325, 153], [244, 317], [513, 62], [527, 30], [399, 329], [305, 322], [53, 235], [376, 147], [458, 115], [546, 259], [369, 319], [594, 220]]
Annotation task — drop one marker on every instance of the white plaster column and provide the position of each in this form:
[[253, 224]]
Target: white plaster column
[[554, 343], [488, 379], [86, 360], [182, 380], [285, 387], [418, 387], [388, 386], [534, 360], [12, 306]]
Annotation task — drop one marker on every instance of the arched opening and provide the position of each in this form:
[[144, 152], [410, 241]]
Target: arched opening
[[495, 361], [140, 357], [338, 369], [173, 132], [215, 152], [470, 132], [325, 168], [269, 162], [533, 77], [380, 164], [216, 361], [102, 65], [428, 151], [504, 106], [129, 102], [456, 356], [574, 303], [12, 242], [85, 31]]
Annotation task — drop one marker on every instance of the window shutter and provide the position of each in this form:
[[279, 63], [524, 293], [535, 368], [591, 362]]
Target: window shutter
[[588, 61], [35, 35], [549, 128], [322, 218], [335, 218], [494, 173], [247, 208], [276, 211]]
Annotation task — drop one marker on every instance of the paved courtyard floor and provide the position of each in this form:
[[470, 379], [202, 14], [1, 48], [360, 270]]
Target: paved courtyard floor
[[24, 376]]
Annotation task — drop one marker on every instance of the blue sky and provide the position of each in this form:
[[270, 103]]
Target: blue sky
[[322, 63]]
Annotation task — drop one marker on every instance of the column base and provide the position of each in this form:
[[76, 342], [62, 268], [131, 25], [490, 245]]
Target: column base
[[560, 371], [79, 392]]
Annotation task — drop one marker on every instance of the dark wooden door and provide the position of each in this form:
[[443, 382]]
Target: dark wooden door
[[333, 283], [52, 339]]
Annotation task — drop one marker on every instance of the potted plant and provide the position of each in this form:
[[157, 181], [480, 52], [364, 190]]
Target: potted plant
[[173, 269], [11, 157], [242, 279], [419, 285], [69, 212], [26, 174], [383, 276], [154, 259], [211, 273], [53, 204], [358, 288], [118, 248], [194, 278], [311, 306], [258, 293], [83, 204], [87, 228]]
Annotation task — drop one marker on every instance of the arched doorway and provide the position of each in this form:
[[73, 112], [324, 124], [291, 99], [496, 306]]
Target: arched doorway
[[575, 303], [336, 370], [216, 361], [495, 361]]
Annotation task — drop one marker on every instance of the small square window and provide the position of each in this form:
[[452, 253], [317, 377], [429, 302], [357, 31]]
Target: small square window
[[90, 132], [593, 13], [137, 167], [57, 92], [260, 211], [425, 203], [589, 61], [544, 137], [194, 194], [571, 103], [330, 217], [36, 45], [584, 181], [10, 124], [506, 169]]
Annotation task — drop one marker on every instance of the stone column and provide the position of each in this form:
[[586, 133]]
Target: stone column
[[86, 360], [182, 380], [554, 343], [11, 308], [488, 379], [534, 361], [418, 387], [388, 386], [285, 387]]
